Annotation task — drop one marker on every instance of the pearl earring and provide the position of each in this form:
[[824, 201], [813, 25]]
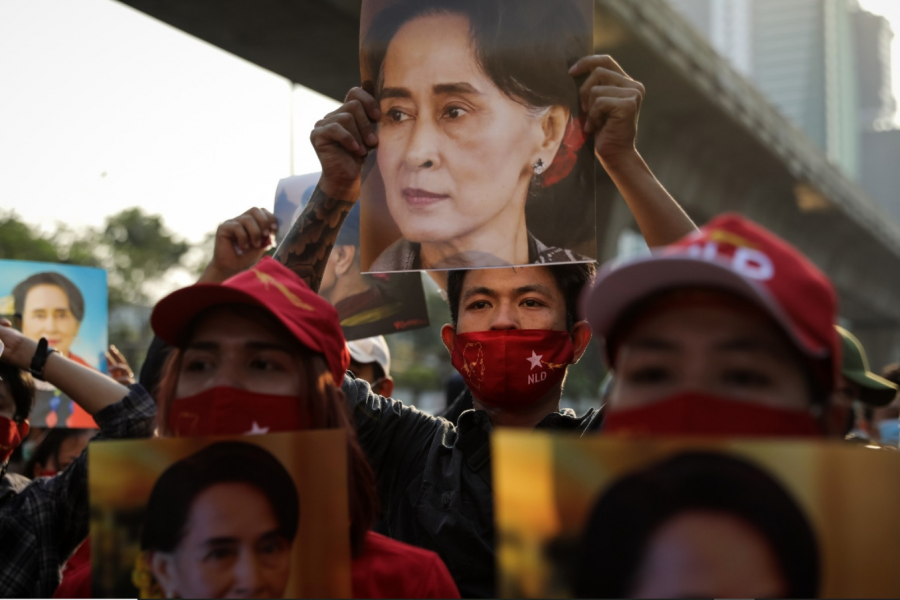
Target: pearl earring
[[538, 167]]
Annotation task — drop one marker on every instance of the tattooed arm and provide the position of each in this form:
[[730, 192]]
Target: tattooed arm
[[342, 140], [306, 247]]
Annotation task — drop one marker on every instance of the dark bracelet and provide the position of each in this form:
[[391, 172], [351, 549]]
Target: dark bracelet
[[40, 359]]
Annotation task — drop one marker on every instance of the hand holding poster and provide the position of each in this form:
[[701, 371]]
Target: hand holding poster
[[367, 305], [68, 306], [482, 159], [606, 518], [259, 516]]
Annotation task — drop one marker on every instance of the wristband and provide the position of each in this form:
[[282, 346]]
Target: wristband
[[40, 359]]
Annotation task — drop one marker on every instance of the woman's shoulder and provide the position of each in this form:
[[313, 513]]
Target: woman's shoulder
[[541, 253], [392, 569], [402, 255]]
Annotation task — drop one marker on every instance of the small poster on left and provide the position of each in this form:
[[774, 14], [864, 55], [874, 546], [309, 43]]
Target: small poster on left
[[68, 306]]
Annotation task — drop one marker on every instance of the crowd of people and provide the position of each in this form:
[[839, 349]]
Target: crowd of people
[[725, 330]]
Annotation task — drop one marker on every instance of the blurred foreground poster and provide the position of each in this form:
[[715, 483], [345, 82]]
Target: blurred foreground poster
[[68, 306], [695, 519], [262, 516], [367, 305]]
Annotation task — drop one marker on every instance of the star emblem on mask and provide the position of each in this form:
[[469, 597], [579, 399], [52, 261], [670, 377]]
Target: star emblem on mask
[[535, 360], [257, 430]]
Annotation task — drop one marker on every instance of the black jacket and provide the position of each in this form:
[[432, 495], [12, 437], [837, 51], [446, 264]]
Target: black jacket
[[434, 479]]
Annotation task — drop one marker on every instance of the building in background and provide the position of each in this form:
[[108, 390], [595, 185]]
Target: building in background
[[800, 54], [873, 38]]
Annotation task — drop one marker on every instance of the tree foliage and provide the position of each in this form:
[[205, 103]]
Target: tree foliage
[[134, 247]]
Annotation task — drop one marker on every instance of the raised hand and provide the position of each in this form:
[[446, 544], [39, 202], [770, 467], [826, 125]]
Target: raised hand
[[240, 243], [612, 101], [342, 140]]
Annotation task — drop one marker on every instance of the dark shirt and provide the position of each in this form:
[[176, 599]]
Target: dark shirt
[[43, 524], [434, 479]]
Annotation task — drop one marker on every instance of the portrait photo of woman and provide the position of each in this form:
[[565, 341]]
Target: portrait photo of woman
[[220, 524], [482, 157], [697, 525]]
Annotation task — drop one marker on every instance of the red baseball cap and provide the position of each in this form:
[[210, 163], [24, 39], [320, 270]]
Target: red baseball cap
[[734, 254], [273, 287]]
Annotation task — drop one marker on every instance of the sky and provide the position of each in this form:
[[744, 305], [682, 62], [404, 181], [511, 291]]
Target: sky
[[103, 108]]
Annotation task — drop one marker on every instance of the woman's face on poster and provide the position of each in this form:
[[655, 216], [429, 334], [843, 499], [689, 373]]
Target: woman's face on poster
[[231, 548], [47, 314], [707, 554], [455, 152]]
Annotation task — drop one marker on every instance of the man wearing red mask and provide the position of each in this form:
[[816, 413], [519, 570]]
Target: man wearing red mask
[[727, 332], [514, 333]]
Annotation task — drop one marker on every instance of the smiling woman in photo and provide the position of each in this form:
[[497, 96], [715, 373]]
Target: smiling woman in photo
[[480, 117]]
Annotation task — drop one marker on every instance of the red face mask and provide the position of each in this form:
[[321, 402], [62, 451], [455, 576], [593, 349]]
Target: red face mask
[[512, 368], [230, 411], [11, 435], [698, 414]]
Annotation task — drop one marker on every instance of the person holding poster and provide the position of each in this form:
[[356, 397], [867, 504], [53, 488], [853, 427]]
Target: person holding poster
[[47, 520]]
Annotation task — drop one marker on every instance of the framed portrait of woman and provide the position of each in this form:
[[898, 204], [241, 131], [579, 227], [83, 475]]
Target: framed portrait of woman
[[682, 518], [482, 159], [67, 305], [231, 516]]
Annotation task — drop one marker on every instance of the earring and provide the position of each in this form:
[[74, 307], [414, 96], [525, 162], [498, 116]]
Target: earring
[[538, 167]]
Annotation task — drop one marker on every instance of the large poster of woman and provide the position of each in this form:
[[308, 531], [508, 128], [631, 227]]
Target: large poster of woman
[[261, 516], [482, 159], [657, 518], [68, 306]]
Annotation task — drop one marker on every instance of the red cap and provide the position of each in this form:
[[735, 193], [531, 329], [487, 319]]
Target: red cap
[[734, 254], [273, 287]]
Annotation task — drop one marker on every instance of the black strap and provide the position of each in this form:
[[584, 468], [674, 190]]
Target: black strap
[[39, 361]]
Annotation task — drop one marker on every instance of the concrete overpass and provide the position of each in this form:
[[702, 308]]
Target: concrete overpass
[[710, 136]]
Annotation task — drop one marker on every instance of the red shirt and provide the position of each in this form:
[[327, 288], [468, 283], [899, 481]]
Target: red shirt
[[386, 569], [392, 569]]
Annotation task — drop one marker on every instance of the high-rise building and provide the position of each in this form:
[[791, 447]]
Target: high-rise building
[[801, 55], [877, 104]]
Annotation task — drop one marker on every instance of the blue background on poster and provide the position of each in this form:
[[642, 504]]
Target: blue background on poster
[[91, 342]]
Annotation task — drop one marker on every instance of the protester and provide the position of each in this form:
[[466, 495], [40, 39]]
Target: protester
[[259, 354], [195, 543], [730, 331], [42, 525], [16, 401], [451, 511], [698, 525], [370, 360], [860, 390], [56, 450]]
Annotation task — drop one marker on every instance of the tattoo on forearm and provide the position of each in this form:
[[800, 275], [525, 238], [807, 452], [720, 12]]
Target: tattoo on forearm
[[306, 248]]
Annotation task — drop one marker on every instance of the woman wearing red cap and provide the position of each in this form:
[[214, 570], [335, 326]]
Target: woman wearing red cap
[[260, 353]]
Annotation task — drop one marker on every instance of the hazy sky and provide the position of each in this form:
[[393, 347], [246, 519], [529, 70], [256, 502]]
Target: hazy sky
[[103, 108]]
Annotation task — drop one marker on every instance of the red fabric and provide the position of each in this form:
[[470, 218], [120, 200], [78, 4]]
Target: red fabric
[[270, 286], [387, 569], [512, 368], [802, 291], [699, 414], [392, 569], [230, 411], [79, 419], [76, 582], [11, 435]]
